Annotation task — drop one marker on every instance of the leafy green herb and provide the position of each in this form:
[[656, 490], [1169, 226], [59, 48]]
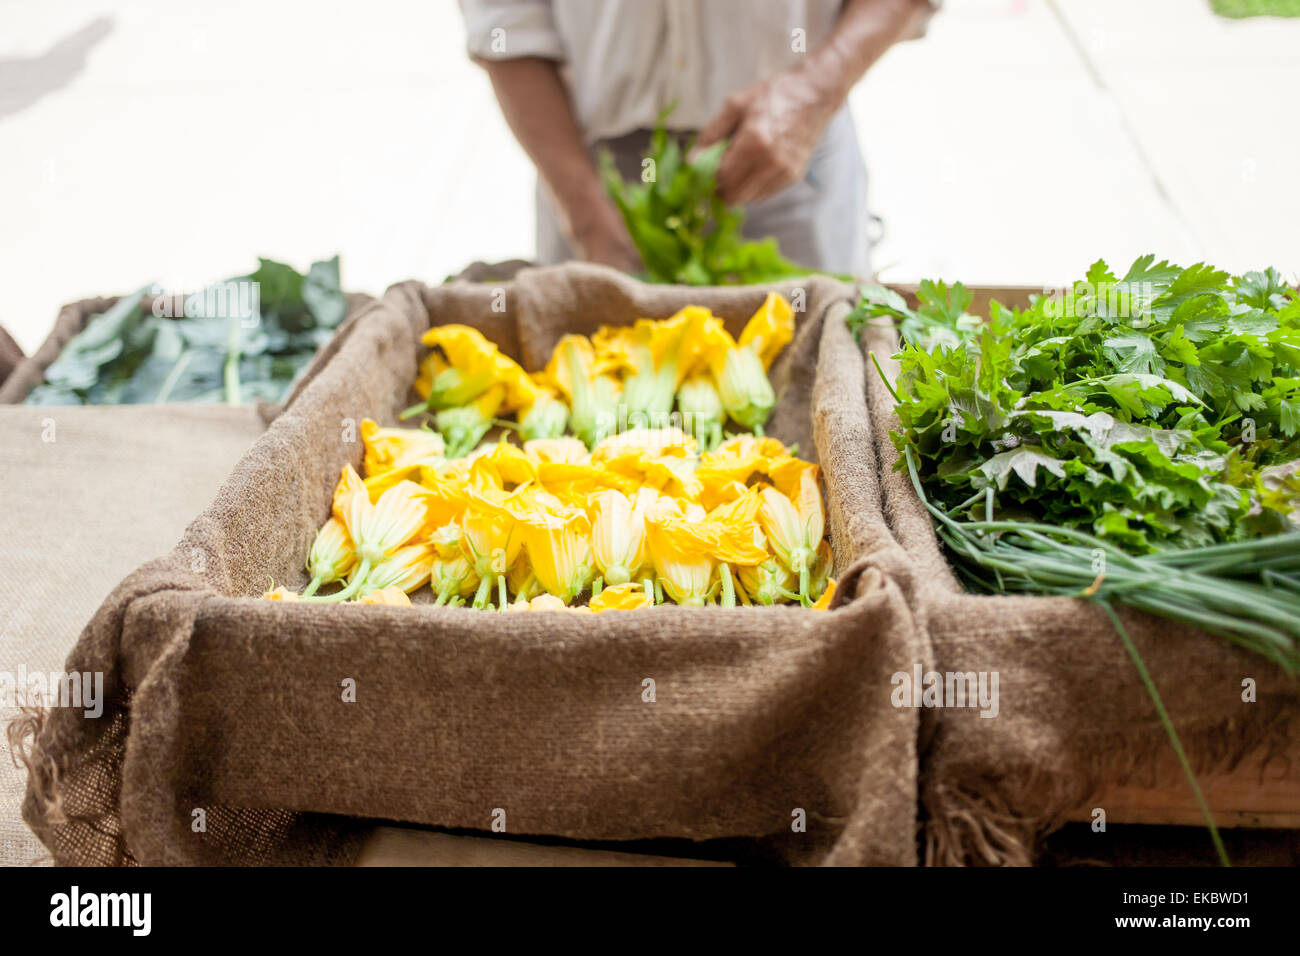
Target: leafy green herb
[[228, 345], [685, 233], [1140, 409]]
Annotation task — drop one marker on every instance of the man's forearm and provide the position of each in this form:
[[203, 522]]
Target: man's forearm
[[539, 112], [864, 31]]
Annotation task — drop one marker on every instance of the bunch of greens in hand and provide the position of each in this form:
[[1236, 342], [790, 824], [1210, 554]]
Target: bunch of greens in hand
[[1145, 410], [217, 350], [684, 231]]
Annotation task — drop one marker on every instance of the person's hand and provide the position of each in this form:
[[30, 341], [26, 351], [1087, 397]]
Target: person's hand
[[599, 235], [774, 127]]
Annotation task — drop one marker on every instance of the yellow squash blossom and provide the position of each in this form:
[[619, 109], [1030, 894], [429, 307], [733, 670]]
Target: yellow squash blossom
[[794, 525], [744, 389], [575, 484], [280, 594], [725, 472], [592, 394], [406, 568], [473, 366], [770, 582], [390, 448], [682, 562], [623, 349], [730, 535], [661, 458], [656, 356], [742, 451], [734, 530], [558, 542], [331, 556], [544, 418], [618, 533], [702, 411], [740, 373], [819, 579], [445, 540], [433, 365], [770, 329], [378, 529], [620, 597], [377, 484], [464, 426], [452, 579], [521, 581], [490, 542]]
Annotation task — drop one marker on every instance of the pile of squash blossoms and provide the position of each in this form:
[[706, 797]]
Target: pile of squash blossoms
[[630, 510]]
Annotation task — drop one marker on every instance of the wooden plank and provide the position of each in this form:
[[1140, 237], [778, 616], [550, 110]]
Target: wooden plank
[[409, 846], [1012, 296], [1250, 796]]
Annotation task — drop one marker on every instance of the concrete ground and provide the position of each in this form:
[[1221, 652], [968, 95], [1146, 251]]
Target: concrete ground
[[148, 140]]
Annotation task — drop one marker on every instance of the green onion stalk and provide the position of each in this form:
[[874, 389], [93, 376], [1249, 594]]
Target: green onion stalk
[[1247, 592]]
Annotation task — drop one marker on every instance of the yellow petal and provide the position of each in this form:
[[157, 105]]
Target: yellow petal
[[770, 329], [620, 597], [567, 451], [824, 602], [393, 596], [679, 340], [711, 342], [512, 463], [389, 448], [350, 487]]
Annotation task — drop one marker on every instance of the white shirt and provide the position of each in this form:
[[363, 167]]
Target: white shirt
[[626, 60]]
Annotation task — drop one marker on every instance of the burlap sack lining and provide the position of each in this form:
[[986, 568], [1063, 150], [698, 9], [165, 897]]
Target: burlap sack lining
[[1075, 716], [229, 704]]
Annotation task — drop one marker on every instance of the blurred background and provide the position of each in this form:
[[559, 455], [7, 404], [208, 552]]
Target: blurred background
[[146, 140]]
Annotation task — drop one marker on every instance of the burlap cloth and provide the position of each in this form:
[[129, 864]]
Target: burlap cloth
[[89, 494], [1073, 712], [230, 705]]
